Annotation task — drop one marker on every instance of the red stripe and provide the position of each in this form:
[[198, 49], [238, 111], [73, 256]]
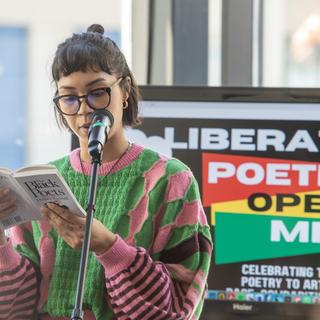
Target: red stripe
[[134, 285], [125, 277], [18, 292]]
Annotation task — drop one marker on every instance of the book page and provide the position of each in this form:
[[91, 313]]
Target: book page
[[25, 210], [5, 171], [34, 169], [49, 187]]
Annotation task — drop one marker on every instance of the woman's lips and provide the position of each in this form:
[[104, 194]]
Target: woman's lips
[[85, 126]]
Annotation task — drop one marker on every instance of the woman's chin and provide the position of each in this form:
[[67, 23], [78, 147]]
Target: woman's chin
[[83, 136]]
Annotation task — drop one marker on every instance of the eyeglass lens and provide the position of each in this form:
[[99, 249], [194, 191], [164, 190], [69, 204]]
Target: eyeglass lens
[[96, 99]]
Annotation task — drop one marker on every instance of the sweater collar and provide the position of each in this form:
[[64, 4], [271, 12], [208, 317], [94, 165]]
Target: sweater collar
[[105, 167]]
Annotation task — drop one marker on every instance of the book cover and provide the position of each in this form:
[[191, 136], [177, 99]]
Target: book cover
[[33, 187]]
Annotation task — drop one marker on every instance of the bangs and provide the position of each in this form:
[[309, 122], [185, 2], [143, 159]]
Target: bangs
[[92, 51], [79, 57]]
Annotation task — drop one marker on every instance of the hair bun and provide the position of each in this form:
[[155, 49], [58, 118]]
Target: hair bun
[[96, 28]]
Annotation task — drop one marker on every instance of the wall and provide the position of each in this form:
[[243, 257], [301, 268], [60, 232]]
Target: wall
[[48, 23]]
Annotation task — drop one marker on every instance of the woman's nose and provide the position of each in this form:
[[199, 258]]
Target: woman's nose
[[84, 107]]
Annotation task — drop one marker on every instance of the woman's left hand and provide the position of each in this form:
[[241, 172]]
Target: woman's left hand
[[71, 228]]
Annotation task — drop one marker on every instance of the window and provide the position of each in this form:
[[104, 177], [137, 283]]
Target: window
[[13, 96], [291, 47]]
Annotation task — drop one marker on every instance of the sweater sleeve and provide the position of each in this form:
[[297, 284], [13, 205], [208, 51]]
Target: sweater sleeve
[[18, 284], [169, 280]]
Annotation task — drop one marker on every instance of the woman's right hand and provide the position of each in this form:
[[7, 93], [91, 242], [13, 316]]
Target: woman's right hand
[[7, 206]]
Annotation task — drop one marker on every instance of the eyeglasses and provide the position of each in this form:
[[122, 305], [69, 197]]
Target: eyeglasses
[[99, 98]]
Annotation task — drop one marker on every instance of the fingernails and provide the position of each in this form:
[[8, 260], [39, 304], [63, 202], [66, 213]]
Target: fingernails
[[51, 205], [63, 206]]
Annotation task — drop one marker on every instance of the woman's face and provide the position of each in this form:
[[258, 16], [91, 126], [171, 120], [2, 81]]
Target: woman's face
[[80, 83]]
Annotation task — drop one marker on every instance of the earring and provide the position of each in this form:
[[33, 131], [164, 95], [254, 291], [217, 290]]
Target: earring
[[125, 104]]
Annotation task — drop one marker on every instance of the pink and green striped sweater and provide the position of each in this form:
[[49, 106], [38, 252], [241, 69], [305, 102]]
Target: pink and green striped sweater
[[157, 268]]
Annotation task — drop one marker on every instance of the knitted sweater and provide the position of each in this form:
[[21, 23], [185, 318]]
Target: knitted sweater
[[156, 269]]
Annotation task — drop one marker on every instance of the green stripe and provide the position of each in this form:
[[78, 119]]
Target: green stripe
[[196, 286], [198, 261], [145, 237], [175, 166], [199, 308], [172, 211], [156, 196], [123, 226], [193, 191], [29, 249], [135, 194], [180, 234], [240, 237], [25, 251], [98, 124]]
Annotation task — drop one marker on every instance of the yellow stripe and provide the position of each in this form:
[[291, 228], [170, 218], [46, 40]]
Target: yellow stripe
[[241, 207]]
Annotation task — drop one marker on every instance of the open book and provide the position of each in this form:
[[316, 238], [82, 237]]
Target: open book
[[33, 187]]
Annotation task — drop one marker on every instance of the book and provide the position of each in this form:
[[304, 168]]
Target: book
[[33, 187]]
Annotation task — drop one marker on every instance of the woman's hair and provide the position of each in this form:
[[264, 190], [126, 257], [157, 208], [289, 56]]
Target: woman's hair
[[93, 51]]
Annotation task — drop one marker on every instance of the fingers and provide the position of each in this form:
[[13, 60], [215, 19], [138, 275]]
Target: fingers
[[71, 230], [4, 192], [7, 202], [7, 205], [7, 212], [65, 213], [61, 217], [55, 213]]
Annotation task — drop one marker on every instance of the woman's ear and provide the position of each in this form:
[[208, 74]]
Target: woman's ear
[[127, 88]]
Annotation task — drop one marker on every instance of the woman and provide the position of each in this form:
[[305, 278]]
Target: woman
[[150, 245]]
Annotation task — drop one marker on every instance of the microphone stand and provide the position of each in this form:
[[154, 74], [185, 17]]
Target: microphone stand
[[77, 313]]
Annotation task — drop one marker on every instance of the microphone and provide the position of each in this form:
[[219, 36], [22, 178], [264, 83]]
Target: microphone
[[102, 121]]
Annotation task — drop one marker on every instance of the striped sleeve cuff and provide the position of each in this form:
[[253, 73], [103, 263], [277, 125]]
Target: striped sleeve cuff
[[118, 257], [9, 258]]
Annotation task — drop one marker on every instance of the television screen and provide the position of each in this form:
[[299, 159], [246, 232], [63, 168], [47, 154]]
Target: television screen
[[255, 154]]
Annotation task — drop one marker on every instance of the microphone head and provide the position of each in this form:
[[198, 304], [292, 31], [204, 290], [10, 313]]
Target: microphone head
[[99, 115], [102, 121]]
